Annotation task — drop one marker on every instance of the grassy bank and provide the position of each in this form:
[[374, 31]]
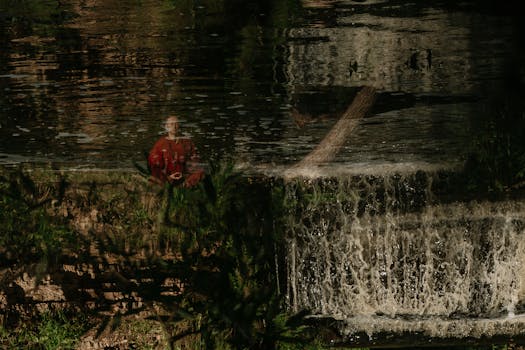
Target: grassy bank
[[202, 263]]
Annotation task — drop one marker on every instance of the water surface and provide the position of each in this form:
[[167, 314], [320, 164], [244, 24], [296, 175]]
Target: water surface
[[86, 84]]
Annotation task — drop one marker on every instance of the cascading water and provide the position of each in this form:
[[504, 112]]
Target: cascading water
[[381, 253]]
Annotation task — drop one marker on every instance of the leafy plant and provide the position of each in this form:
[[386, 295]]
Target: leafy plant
[[28, 232], [226, 233]]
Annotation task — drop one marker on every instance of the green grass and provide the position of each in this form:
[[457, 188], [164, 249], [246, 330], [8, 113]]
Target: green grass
[[51, 331]]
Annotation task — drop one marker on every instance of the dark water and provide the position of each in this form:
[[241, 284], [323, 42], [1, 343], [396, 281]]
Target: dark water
[[86, 84]]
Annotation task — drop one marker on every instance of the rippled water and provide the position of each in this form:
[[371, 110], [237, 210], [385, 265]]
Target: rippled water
[[87, 83]]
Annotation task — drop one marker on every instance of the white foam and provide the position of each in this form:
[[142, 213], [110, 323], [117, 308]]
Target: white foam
[[362, 248], [349, 169]]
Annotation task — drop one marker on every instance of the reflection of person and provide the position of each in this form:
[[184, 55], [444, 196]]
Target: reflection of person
[[174, 159]]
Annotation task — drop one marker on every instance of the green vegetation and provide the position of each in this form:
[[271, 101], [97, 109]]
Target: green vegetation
[[226, 231], [218, 243], [50, 331], [27, 232]]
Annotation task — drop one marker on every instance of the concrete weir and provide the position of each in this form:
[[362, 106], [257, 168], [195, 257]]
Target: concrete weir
[[376, 247], [382, 255]]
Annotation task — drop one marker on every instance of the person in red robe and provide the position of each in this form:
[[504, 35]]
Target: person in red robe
[[174, 159]]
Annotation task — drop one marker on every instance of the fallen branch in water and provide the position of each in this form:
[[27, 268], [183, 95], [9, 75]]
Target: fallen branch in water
[[328, 148]]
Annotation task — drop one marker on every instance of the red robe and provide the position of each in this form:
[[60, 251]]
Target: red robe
[[175, 156]]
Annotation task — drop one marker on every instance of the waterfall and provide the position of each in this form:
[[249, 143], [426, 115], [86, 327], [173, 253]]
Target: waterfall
[[385, 253]]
